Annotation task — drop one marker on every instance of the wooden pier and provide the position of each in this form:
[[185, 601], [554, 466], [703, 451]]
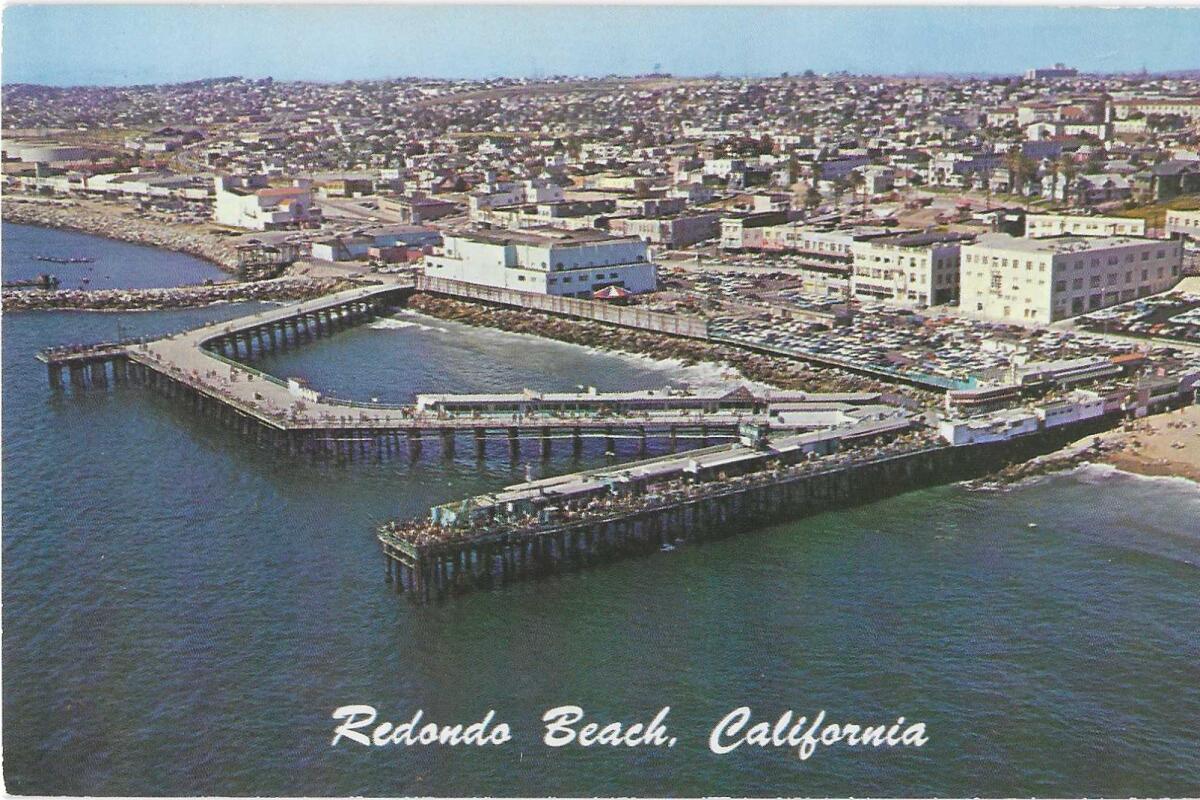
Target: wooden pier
[[209, 369], [783, 468], [656, 518]]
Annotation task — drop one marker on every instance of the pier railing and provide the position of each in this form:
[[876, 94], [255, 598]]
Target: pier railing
[[622, 507], [241, 365]]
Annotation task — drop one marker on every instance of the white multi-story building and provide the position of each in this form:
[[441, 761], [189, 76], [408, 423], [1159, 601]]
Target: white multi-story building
[[1050, 73], [1043, 280], [248, 202], [545, 261], [1182, 106], [794, 237], [1185, 223], [911, 269], [680, 230], [496, 195], [1040, 226]]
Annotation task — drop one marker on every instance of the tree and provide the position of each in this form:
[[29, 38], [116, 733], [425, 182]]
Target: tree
[[812, 198], [1020, 169], [858, 182], [1069, 169]]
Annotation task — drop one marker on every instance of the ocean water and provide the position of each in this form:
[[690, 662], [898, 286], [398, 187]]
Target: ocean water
[[183, 612], [115, 265]]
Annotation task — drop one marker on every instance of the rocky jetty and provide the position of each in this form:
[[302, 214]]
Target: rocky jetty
[[123, 224], [174, 297], [1094, 449], [773, 370]]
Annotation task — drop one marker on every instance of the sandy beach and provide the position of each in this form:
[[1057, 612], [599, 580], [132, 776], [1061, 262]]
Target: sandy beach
[[1164, 444]]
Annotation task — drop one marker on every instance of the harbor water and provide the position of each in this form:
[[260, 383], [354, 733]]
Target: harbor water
[[182, 612], [113, 265]]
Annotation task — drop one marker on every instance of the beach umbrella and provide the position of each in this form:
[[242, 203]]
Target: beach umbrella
[[611, 293]]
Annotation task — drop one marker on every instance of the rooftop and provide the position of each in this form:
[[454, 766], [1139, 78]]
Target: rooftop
[[923, 239], [1058, 244], [544, 236]]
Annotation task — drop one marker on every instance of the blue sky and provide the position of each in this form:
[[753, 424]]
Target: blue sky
[[98, 44]]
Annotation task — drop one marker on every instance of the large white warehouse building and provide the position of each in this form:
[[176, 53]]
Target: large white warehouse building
[[571, 263]]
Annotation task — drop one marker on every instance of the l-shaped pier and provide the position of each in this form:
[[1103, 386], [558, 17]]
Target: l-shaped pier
[[207, 369]]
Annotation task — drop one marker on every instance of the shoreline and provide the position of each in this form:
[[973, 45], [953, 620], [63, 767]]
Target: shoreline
[[1159, 446], [91, 219], [767, 370], [716, 373], [1164, 445]]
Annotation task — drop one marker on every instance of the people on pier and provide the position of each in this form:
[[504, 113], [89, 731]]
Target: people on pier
[[496, 522]]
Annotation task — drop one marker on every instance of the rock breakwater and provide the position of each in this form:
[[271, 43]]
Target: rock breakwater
[[771, 370], [175, 297]]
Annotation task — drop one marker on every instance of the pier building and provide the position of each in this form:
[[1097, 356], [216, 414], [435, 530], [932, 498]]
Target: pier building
[[706, 400]]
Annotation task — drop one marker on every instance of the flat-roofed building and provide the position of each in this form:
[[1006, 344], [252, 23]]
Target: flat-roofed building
[[416, 208], [1043, 280], [820, 243], [248, 202], [910, 269], [745, 231], [1188, 107], [679, 230], [1058, 71], [1040, 226], [545, 261], [1183, 223]]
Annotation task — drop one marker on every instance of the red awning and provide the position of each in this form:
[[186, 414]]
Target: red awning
[[610, 293]]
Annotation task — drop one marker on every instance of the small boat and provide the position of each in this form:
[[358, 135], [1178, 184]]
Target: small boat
[[43, 281], [58, 260]]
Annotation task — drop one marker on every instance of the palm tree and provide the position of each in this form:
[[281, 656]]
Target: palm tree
[[1069, 170], [1053, 179], [857, 181], [1018, 170]]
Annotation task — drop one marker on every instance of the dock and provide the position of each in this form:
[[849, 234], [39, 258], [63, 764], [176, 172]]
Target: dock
[[210, 370], [737, 458], [572, 522]]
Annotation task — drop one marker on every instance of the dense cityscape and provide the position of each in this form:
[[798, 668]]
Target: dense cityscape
[[929, 233]]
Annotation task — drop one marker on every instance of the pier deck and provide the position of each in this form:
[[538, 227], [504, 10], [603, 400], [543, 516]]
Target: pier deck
[[576, 521], [208, 367]]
